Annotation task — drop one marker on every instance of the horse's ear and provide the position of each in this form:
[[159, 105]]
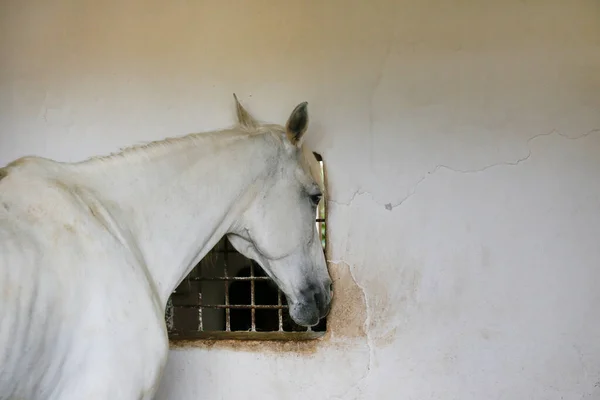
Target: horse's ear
[[244, 118], [297, 123]]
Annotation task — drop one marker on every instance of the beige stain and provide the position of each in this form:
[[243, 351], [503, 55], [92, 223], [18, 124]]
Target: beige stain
[[392, 306], [386, 339]]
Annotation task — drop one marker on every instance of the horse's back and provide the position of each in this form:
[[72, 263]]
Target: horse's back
[[63, 283], [35, 311]]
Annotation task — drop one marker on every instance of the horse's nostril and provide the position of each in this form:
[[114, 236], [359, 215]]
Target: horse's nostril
[[318, 300]]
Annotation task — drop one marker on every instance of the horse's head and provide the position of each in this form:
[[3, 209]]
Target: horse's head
[[278, 228]]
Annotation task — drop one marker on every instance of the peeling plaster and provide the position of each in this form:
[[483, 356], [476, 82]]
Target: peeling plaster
[[367, 335]]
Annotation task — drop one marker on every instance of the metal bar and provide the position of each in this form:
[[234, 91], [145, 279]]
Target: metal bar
[[183, 337], [169, 314], [235, 306], [228, 251], [227, 314], [279, 311], [200, 320], [232, 278], [200, 316], [252, 310]]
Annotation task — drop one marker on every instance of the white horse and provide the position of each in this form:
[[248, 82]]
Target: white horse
[[91, 251]]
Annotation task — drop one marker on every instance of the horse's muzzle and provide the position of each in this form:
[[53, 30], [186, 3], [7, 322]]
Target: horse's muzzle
[[313, 304]]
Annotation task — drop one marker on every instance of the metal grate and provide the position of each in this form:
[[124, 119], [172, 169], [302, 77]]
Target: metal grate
[[228, 296]]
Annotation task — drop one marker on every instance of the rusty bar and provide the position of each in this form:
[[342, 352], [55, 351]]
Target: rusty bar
[[252, 310], [236, 306], [181, 340], [279, 311], [169, 314], [232, 278], [226, 283], [200, 321], [200, 316]]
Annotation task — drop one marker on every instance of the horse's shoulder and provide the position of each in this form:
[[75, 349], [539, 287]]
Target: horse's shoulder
[[32, 186], [61, 222]]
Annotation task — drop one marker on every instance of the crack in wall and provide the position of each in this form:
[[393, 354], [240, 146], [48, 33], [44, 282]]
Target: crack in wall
[[390, 206]]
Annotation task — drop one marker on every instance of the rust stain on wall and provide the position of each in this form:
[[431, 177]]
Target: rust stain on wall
[[387, 338], [349, 306], [302, 347]]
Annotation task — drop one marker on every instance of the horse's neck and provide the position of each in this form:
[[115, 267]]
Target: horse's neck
[[177, 204]]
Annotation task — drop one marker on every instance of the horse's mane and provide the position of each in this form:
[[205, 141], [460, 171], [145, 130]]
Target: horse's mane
[[207, 139]]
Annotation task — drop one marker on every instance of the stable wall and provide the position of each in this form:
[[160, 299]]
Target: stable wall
[[462, 149]]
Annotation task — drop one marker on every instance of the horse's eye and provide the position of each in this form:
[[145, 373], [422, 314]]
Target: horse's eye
[[315, 198]]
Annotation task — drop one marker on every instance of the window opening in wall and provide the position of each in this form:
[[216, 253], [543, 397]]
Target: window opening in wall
[[228, 296]]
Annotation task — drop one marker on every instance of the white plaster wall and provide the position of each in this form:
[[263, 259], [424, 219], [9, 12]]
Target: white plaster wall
[[462, 158]]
